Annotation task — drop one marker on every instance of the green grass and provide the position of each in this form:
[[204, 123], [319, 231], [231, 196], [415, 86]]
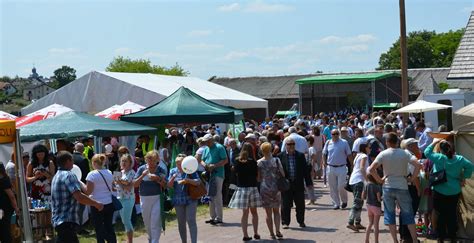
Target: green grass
[[139, 227]]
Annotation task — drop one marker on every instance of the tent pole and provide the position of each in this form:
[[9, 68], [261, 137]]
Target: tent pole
[[25, 210]]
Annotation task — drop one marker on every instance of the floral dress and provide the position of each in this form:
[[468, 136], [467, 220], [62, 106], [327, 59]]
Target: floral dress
[[126, 192], [41, 187], [269, 173]]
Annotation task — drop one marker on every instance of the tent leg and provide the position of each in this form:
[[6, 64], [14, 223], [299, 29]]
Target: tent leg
[[25, 211]]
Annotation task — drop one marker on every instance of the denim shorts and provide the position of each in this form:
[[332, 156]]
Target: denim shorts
[[392, 197]]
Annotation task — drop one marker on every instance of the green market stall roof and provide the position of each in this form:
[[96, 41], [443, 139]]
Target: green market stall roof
[[184, 106], [386, 105], [347, 78], [78, 124]]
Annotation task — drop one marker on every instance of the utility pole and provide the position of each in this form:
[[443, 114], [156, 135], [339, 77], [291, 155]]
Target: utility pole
[[403, 56]]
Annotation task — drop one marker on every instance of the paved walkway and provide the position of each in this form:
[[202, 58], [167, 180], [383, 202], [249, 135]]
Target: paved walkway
[[323, 225]]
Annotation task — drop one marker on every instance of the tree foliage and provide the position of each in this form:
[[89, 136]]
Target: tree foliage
[[426, 49], [126, 64], [63, 76]]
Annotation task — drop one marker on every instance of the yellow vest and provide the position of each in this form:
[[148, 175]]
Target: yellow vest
[[150, 147]]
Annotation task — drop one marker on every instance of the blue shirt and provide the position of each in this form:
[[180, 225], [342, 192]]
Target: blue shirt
[[327, 132], [425, 139], [64, 206], [148, 187], [181, 196], [213, 155], [337, 152]]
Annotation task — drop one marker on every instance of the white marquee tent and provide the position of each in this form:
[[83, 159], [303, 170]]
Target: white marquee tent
[[97, 91]]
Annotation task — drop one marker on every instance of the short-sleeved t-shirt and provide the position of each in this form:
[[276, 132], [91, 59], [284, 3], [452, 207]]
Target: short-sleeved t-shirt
[[213, 155], [395, 166], [148, 187], [10, 169], [65, 208], [101, 193], [357, 143], [4, 200], [371, 189], [337, 152]]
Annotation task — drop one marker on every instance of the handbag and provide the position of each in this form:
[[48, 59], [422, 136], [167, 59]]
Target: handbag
[[117, 204], [438, 177], [196, 192], [283, 184], [348, 187]]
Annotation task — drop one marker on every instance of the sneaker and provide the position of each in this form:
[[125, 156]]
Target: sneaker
[[210, 221], [325, 186], [359, 226], [335, 207], [285, 226], [344, 205], [311, 202], [352, 227], [217, 222]]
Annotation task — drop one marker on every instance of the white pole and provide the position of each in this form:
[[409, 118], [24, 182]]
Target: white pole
[[25, 210]]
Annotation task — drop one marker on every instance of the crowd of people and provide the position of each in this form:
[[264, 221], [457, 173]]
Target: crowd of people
[[380, 159]]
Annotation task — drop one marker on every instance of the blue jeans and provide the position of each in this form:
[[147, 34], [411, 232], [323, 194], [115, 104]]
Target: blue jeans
[[391, 197], [126, 213]]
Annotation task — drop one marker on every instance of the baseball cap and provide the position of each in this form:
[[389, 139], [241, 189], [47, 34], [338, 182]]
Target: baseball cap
[[407, 142], [250, 136]]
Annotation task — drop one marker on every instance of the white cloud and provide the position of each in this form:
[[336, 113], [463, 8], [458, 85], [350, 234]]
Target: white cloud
[[262, 7], [63, 51], [121, 50], [234, 55], [199, 33], [258, 6], [154, 54], [354, 48], [199, 47], [229, 8], [362, 38]]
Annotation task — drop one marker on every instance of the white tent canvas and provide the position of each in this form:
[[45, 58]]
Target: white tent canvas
[[421, 106], [97, 91]]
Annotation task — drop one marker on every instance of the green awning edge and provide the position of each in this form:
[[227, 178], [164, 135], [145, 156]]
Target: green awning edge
[[385, 105], [286, 113], [347, 78]]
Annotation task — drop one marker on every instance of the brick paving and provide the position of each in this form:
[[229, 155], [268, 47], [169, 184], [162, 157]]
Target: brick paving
[[323, 225]]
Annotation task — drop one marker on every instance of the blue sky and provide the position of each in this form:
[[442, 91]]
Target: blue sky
[[207, 38]]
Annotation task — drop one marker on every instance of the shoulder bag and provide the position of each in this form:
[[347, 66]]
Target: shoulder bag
[[196, 192], [117, 204], [438, 177], [283, 184]]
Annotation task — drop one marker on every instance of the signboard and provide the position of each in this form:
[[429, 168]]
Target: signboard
[[7, 131]]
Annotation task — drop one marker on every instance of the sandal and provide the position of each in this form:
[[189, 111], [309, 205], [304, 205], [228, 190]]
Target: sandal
[[279, 235], [256, 236]]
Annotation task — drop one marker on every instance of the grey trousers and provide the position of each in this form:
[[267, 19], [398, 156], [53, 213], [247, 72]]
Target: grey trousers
[[187, 214]]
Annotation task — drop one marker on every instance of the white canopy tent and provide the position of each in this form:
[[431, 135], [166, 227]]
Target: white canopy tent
[[97, 91], [421, 106]]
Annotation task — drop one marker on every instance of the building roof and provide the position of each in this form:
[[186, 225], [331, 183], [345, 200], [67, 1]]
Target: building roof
[[463, 61], [284, 87], [347, 78]]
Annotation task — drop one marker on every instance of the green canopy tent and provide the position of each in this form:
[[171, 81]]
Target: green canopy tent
[[78, 124], [184, 106]]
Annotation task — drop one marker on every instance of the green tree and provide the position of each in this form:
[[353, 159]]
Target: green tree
[[127, 65], [426, 49], [63, 76]]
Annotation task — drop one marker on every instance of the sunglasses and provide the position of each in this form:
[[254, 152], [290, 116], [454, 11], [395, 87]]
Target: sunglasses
[[290, 144], [335, 134]]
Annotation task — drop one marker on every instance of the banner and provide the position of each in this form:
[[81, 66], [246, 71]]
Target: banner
[[7, 131]]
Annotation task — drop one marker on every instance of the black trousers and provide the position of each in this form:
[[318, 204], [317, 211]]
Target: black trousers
[[415, 202], [295, 195], [5, 234], [446, 208], [66, 233], [104, 230]]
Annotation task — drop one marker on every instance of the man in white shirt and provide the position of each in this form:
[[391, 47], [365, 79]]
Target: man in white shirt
[[300, 142], [335, 154]]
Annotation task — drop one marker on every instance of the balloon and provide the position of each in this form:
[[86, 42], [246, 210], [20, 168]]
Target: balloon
[[77, 171], [189, 165], [108, 148]]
